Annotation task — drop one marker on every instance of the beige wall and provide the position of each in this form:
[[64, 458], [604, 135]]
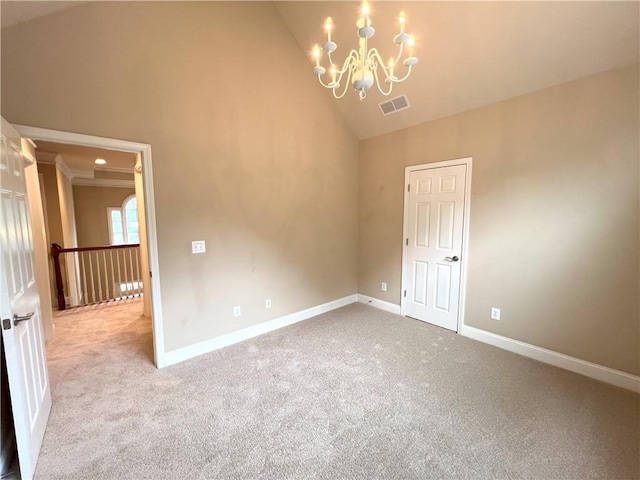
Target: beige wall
[[248, 153], [104, 174], [91, 212], [50, 180], [554, 214]]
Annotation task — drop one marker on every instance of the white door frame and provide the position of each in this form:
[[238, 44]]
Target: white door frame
[[144, 150], [465, 230]]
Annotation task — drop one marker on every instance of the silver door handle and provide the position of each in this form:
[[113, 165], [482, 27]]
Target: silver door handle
[[23, 318], [452, 259]]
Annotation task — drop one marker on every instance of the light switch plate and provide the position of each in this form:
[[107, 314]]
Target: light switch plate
[[198, 247]]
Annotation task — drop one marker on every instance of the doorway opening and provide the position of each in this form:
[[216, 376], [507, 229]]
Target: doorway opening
[[148, 282]]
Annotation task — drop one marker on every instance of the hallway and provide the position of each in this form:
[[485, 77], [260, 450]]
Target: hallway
[[94, 331]]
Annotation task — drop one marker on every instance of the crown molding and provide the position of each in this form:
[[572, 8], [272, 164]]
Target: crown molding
[[48, 158], [103, 168], [102, 182]]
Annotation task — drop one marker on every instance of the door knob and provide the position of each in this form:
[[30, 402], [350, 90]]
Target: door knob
[[452, 259], [17, 319]]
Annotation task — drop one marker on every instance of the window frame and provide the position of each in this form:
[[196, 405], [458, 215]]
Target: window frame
[[122, 210]]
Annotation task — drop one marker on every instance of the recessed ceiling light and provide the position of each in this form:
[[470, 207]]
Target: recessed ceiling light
[[100, 161]]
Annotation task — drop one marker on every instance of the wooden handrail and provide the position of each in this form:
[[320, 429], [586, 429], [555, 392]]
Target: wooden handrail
[[90, 249], [56, 250]]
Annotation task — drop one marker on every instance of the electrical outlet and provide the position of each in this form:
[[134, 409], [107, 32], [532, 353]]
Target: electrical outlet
[[384, 287], [198, 247], [267, 303], [495, 313], [236, 311]]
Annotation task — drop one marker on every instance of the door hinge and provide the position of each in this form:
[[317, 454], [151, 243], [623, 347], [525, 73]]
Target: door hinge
[[406, 242], [408, 187], [6, 323], [150, 274], [405, 293]]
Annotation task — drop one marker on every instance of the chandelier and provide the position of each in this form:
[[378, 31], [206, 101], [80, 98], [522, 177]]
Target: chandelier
[[364, 67]]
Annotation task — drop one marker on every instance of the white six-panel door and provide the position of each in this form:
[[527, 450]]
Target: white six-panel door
[[23, 340], [433, 245]]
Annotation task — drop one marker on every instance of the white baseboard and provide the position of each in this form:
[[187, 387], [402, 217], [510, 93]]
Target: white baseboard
[[593, 370], [381, 304], [185, 353]]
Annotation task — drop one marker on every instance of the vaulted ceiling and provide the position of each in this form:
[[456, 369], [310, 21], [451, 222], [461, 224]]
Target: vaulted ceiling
[[471, 53]]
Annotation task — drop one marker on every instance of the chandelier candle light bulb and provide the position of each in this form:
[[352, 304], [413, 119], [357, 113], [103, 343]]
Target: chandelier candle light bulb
[[365, 12], [364, 67], [328, 25], [412, 43]]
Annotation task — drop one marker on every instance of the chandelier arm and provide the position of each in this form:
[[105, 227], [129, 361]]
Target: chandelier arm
[[347, 63], [406, 76], [325, 85], [346, 86], [346, 67], [375, 57], [375, 75], [397, 60]]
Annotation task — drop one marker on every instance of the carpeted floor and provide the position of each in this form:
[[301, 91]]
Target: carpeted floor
[[357, 393]]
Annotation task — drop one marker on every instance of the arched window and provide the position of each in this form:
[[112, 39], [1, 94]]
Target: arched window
[[123, 222]]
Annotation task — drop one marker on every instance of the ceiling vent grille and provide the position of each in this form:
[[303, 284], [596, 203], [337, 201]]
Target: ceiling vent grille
[[394, 105]]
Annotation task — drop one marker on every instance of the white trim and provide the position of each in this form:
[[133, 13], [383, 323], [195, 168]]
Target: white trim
[[47, 158], [102, 182], [57, 136], [467, 161], [191, 351], [110, 224], [66, 171], [582, 367], [106, 168], [381, 304], [144, 150]]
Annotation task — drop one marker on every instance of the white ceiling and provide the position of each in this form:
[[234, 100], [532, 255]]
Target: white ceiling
[[81, 159], [471, 53]]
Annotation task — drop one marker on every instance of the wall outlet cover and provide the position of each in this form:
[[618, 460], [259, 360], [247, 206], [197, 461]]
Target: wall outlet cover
[[237, 311], [495, 313], [384, 287], [198, 246]]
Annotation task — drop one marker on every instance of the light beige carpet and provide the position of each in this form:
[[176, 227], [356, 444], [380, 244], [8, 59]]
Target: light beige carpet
[[356, 394]]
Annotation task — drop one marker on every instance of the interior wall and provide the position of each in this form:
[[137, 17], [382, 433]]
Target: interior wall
[[91, 205], [249, 154], [50, 180], [554, 226]]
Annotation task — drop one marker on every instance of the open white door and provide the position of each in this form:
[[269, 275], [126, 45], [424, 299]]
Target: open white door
[[22, 331]]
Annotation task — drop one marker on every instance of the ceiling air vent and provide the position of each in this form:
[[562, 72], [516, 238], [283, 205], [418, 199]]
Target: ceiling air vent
[[394, 105]]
